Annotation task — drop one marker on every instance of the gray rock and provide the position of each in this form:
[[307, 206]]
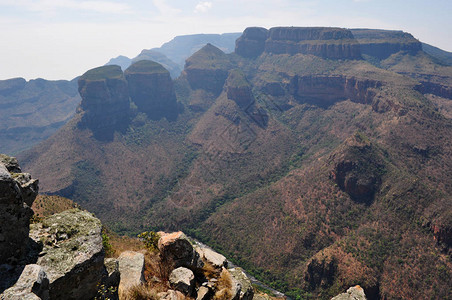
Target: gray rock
[[215, 259], [32, 284], [204, 293], [72, 254], [131, 267], [17, 193], [182, 279], [241, 284], [175, 248], [353, 293]]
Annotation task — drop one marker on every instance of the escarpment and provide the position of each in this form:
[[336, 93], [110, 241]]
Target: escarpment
[[332, 43], [151, 89], [383, 43], [105, 100]]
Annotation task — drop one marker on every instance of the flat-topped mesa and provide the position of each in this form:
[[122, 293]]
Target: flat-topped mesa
[[151, 89], [326, 42], [105, 100], [383, 43], [207, 69]]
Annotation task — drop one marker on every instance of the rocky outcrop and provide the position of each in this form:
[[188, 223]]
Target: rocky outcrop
[[327, 90], [105, 101], [176, 249], [238, 89], [72, 255], [326, 42], [426, 87], [358, 168], [252, 42], [131, 267], [321, 272], [383, 43], [353, 293], [207, 69], [151, 89], [205, 279], [17, 193]]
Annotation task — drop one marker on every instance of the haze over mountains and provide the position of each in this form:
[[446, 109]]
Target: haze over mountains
[[317, 158]]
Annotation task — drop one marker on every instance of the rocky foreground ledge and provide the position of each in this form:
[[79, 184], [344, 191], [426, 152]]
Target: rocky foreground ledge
[[62, 256]]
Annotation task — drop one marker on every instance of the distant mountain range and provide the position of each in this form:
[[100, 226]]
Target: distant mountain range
[[172, 55], [317, 158]]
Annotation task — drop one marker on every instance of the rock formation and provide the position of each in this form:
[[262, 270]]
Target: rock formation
[[131, 267], [332, 43], [358, 168], [105, 100], [176, 249], [151, 89], [17, 193], [353, 293], [72, 255], [326, 90], [207, 69], [252, 42], [383, 43]]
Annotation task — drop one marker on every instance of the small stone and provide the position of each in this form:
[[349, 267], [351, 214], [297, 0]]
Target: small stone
[[182, 279]]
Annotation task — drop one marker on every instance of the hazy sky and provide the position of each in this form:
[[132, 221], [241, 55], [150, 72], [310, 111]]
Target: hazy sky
[[61, 39]]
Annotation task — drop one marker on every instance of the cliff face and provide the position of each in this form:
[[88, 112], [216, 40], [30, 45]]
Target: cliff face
[[383, 43], [252, 42], [105, 100], [207, 69], [326, 90], [333, 43], [151, 89], [17, 193]]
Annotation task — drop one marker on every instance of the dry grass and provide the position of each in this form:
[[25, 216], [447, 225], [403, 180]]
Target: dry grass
[[224, 286], [210, 271], [140, 292]]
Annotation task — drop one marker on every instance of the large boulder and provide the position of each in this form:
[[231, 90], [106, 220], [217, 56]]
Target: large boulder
[[183, 280], [176, 249], [353, 293], [17, 193], [72, 255], [131, 267], [105, 101], [151, 89]]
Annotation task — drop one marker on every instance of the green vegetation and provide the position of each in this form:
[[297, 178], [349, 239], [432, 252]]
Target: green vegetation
[[150, 240], [102, 73], [146, 66]]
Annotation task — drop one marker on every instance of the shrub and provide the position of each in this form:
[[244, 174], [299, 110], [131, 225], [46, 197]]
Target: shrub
[[150, 240]]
